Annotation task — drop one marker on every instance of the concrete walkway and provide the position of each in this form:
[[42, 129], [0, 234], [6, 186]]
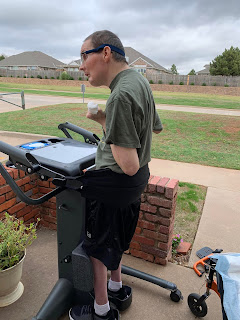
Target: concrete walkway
[[32, 101]]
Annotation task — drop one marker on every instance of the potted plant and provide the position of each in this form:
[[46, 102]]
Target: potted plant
[[15, 236]]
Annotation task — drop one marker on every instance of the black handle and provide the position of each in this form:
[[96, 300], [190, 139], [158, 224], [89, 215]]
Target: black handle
[[21, 194], [88, 136], [18, 154]]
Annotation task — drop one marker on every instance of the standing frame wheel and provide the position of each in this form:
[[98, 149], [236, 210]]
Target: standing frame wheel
[[198, 310], [176, 295]]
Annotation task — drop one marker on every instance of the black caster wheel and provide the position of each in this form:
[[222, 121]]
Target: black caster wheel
[[199, 311], [176, 296]]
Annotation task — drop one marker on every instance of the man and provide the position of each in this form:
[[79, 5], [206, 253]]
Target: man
[[121, 163]]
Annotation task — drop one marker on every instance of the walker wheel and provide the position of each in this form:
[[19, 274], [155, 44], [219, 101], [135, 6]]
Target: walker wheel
[[199, 311], [176, 295]]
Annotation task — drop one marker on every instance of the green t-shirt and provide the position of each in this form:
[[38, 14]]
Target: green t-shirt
[[130, 119]]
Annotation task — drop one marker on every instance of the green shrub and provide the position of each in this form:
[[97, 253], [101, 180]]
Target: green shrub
[[71, 78], [181, 83], [159, 81], [65, 76], [192, 84], [32, 76], [171, 82], [45, 77], [24, 77], [52, 78], [214, 84], [39, 77], [204, 84], [226, 85], [15, 237], [57, 77], [80, 78], [150, 81]]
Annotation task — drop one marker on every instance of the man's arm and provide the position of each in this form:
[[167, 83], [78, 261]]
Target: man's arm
[[126, 158]]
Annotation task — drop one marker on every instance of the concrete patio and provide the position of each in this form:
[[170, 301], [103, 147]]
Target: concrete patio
[[149, 301]]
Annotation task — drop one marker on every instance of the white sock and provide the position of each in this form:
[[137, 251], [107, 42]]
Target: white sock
[[114, 286], [102, 309]]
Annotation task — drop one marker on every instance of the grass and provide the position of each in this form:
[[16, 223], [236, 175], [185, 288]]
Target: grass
[[187, 137], [175, 98], [190, 201]]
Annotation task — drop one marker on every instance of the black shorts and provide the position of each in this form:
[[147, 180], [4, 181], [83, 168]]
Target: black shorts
[[111, 218]]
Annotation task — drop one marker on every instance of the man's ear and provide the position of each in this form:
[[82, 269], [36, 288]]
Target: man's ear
[[107, 53]]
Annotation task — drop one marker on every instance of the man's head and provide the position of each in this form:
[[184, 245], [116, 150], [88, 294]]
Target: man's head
[[102, 54]]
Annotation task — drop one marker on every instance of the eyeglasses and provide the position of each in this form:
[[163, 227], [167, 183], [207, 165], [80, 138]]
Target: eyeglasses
[[113, 48]]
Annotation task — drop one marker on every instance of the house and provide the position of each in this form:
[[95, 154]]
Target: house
[[204, 72], [142, 63], [135, 60], [31, 60]]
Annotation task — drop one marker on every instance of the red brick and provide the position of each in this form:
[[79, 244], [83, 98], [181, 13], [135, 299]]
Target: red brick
[[164, 229], [171, 188], [23, 211], [7, 204], [148, 208], [154, 251], [31, 214], [155, 235], [10, 195], [17, 207], [44, 190], [165, 212], [138, 230], [4, 189], [21, 174], [23, 181], [142, 239], [2, 181], [140, 215], [28, 187], [147, 225], [161, 185], [164, 246], [184, 247], [135, 245], [49, 219], [146, 188], [143, 197], [2, 199], [161, 261], [49, 205], [44, 223], [143, 255], [52, 226], [161, 202], [43, 183], [152, 185]]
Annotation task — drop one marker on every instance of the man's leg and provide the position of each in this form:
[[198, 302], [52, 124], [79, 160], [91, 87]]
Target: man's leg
[[116, 274], [101, 304]]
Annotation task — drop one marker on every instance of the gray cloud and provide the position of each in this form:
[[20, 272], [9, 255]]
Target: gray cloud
[[186, 33]]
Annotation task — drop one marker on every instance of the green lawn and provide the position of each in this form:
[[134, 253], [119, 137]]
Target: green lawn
[[187, 137], [161, 97]]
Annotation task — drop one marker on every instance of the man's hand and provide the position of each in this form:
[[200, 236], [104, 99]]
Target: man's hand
[[99, 117]]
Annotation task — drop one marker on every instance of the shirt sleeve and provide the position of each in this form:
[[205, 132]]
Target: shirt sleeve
[[122, 125], [157, 124]]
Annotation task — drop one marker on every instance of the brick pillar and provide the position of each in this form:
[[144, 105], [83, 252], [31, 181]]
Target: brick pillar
[[11, 204], [153, 237]]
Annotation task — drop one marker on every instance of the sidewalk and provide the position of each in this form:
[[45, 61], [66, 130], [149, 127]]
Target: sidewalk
[[33, 101]]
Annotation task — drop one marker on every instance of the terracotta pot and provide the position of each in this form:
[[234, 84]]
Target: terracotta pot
[[11, 288]]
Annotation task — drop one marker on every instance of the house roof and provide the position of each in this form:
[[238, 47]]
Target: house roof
[[134, 55], [31, 58], [206, 70]]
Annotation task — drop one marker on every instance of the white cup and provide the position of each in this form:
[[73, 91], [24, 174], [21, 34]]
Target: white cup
[[92, 107]]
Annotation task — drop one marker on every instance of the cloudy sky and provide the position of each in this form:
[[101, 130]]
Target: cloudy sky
[[187, 33]]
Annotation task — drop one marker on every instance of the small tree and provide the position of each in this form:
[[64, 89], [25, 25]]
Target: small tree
[[192, 72], [2, 57], [65, 76], [226, 64], [174, 69]]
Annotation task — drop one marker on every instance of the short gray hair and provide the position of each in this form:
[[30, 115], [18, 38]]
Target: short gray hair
[[104, 36]]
